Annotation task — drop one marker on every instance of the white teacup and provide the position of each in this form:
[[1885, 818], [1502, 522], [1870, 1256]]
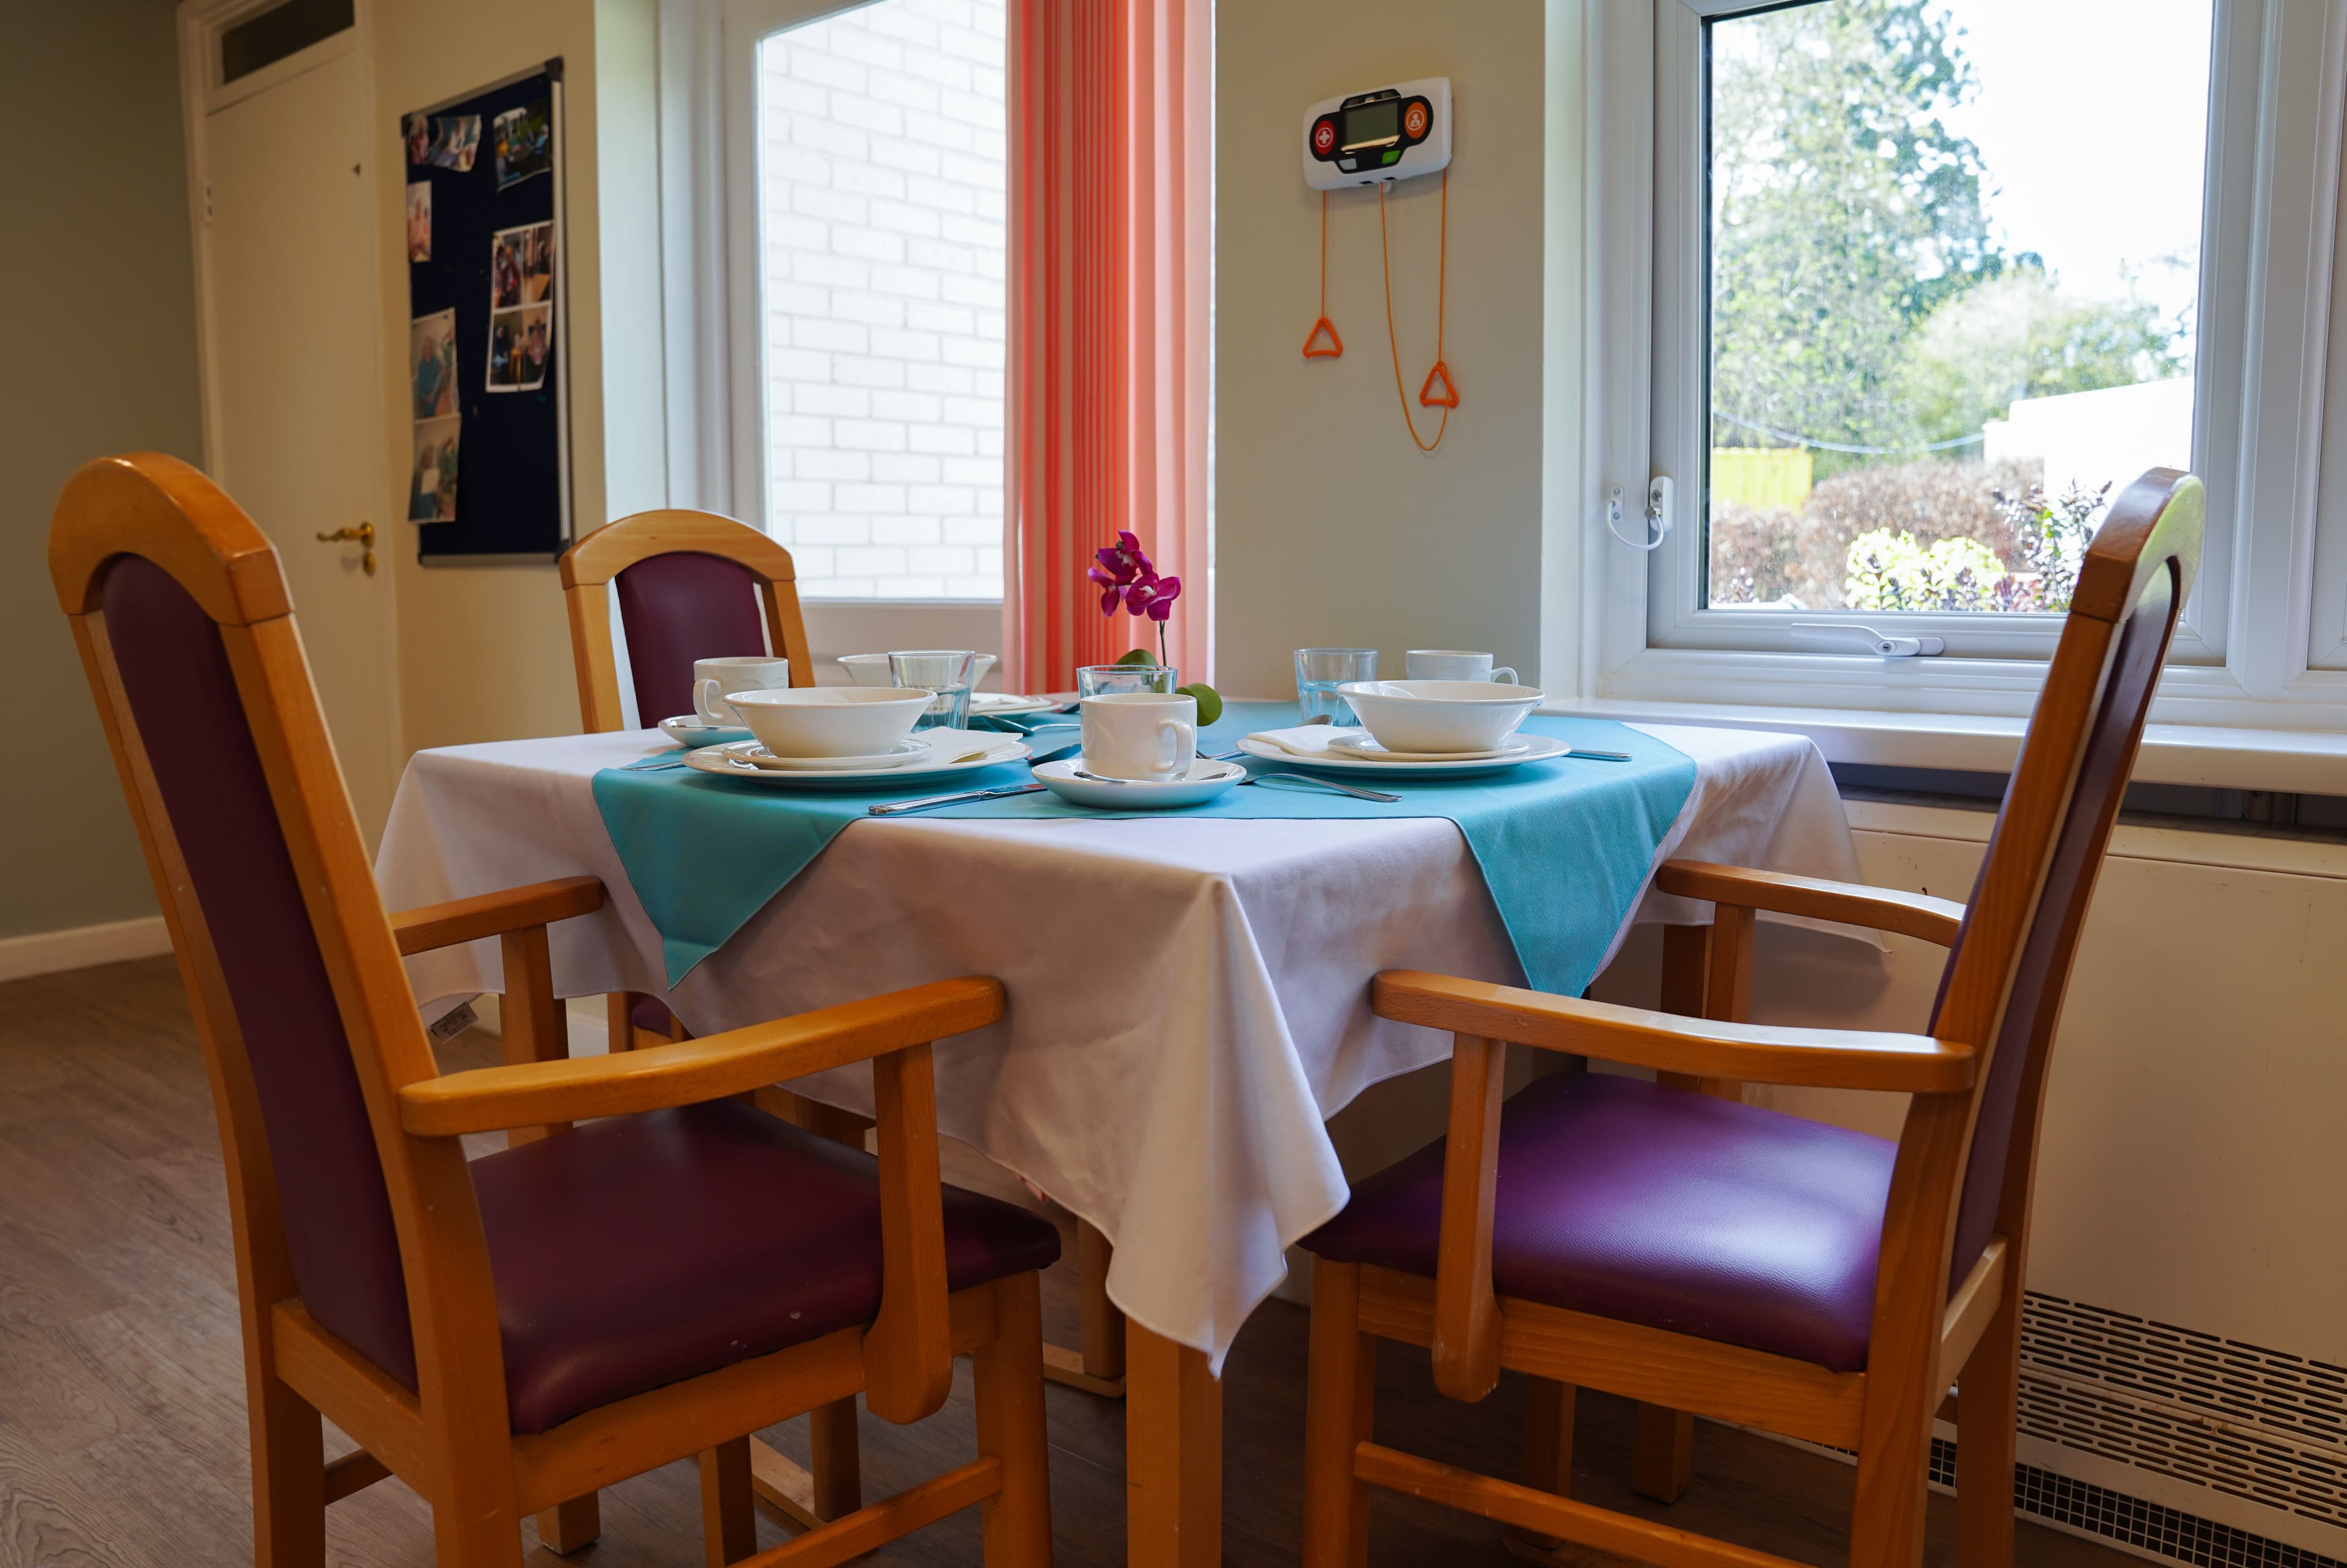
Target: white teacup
[[1454, 664], [714, 678], [1140, 735]]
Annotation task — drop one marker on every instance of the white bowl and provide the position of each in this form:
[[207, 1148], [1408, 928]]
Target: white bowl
[[872, 668], [830, 721], [1440, 716]]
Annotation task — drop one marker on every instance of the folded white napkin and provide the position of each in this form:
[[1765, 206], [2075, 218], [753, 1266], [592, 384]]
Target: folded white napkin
[[1307, 739]]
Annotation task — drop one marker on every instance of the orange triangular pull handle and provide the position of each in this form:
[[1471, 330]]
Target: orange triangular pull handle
[[1446, 398], [1334, 345]]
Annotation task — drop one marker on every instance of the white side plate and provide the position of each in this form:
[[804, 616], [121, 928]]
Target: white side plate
[[1541, 749], [722, 759], [1206, 780]]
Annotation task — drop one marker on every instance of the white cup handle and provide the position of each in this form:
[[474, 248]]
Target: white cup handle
[[1506, 674], [708, 698], [1175, 737]]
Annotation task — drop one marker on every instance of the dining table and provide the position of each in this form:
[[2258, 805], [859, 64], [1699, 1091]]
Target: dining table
[[1188, 991]]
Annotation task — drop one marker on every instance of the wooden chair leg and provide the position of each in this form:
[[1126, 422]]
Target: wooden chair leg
[[1548, 1458], [1886, 1526], [1986, 1419], [1662, 1453], [835, 1459], [729, 1519], [1098, 1368], [620, 1018], [568, 1526], [1339, 1410], [1008, 1386], [288, 1476]]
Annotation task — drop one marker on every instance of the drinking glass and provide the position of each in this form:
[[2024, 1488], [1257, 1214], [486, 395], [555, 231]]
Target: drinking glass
[[945, 672], [1320, 670], [1102, 680]]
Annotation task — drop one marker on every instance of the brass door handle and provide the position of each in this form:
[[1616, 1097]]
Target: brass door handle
[[362, 535]]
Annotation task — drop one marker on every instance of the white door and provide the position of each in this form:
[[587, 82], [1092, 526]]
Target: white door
[[287, 284]]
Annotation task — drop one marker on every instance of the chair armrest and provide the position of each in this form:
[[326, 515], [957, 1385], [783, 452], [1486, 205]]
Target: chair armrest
[[734, 1062], [495, 914], [1917, 915], [1701, 1048]]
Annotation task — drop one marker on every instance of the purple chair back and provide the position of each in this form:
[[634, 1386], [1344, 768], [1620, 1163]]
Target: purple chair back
[[192, 722], [680, 607], [2138, 574]]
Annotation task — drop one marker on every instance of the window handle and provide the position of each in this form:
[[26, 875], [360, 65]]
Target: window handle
[[1849, 637]]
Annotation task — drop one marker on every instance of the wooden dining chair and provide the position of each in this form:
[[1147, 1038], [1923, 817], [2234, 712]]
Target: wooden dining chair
[[688, 585], [509, 1334], [1704, 1255], [694, 585]]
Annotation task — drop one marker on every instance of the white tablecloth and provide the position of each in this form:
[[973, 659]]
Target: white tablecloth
[[1188, 998]]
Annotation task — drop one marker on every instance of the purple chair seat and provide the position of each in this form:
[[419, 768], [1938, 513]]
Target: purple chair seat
[[651, 1013], [640, 1251], [1651, 1206]]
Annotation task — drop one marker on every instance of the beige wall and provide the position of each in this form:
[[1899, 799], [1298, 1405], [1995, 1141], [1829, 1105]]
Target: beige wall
[[1330, 526], [485, 651], [97, 354]]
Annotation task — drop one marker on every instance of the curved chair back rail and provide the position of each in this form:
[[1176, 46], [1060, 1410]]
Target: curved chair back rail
[[690, 585]]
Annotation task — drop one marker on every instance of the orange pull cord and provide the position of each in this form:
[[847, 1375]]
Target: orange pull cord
[[1448, 399], [1336, 346]]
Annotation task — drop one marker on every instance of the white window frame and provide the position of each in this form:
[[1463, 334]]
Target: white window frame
[[714, 310], [1626, 87]]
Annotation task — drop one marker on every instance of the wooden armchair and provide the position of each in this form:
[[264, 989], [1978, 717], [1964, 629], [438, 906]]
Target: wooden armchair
[[690, 585], [694, 585], [1703, 1256], [511, 1333]]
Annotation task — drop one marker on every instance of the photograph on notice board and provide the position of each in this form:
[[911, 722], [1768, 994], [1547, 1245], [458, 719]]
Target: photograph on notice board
[[525, 143], [455, 142], [419, 220], [522, 266], [416, 130], [432, 480], [520, 343], [431, 363]]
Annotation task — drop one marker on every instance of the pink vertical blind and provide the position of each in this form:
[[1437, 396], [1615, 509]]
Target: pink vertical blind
[[1110, 149]]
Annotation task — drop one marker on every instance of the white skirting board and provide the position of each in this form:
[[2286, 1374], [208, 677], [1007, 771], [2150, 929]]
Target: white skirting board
[[51, 952], [589, 1034]]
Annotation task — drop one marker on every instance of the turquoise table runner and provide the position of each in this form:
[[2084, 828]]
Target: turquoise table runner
[[1565, 845]]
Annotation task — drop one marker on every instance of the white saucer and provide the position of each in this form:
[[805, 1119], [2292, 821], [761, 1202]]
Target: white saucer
[[1538, 748], [1366, 744], [687, 730], [903, 753], [1007, 704], [725, 761], [1206, 780]]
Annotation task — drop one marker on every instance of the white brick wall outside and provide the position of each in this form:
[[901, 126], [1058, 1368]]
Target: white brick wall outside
[[881, 193]]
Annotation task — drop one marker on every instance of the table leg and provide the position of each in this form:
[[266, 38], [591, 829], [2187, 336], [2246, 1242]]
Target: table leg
[[1172, 1455], [1099, 1366]]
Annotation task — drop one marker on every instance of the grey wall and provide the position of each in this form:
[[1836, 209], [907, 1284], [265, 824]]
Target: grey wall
[[97, 354], [1330, 526]]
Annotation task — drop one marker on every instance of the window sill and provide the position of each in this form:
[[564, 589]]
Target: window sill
[[2298, 761]]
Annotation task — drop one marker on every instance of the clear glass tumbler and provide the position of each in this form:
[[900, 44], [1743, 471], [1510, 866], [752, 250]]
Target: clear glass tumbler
[[1320, 670], [1101, 680], [945, 672]]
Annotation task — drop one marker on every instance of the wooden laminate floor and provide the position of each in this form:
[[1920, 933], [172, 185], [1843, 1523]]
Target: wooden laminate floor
[[122, 1436]]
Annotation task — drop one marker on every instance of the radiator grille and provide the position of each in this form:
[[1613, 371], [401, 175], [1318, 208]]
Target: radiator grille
[[2258, 1424]]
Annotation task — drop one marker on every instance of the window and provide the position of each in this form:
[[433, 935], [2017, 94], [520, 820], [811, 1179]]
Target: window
[[880, 265], [1910, 282], [1951, 295]]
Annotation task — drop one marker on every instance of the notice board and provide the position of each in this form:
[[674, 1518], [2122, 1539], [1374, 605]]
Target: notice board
[[489, 480]]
